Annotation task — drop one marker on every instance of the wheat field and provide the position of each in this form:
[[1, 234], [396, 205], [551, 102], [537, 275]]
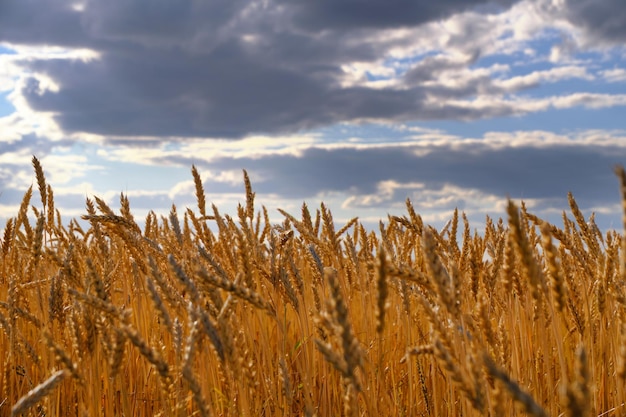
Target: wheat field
[[209, 314]]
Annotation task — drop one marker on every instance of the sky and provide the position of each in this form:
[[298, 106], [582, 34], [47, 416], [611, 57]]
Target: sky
[[359, 104]]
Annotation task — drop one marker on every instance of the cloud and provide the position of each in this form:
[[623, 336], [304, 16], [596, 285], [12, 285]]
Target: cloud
[[362, 177], [438, 172], [29, 22], [522, 172], [232, 69], [584, 24], [535, 78], [601, 20], [168, 84], [533, 165], [350, 14], [614, 75]]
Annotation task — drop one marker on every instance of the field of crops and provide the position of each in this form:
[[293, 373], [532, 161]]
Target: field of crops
[[212, 314]]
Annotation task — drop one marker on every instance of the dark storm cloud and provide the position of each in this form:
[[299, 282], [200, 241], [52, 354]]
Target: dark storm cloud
[[604, 20], [224, 68], [161, 22], [348, 14], [37, 22], [173, 93], [521, 172], [430, 67], [221, 94]]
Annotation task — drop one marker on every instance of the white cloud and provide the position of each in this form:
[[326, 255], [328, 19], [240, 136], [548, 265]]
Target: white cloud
[[385, 193], [13, 178], [435, 206], [552, 75], [13, 128], [9, 72], [589, 100], [25, 53], [66, 168], [614, 75], [85, 188], [496, 106], [39, 123], [207, 150], [61, 171]]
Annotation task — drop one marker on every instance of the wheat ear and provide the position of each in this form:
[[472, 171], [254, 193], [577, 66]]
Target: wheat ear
[[521, 396], [40, 391]]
